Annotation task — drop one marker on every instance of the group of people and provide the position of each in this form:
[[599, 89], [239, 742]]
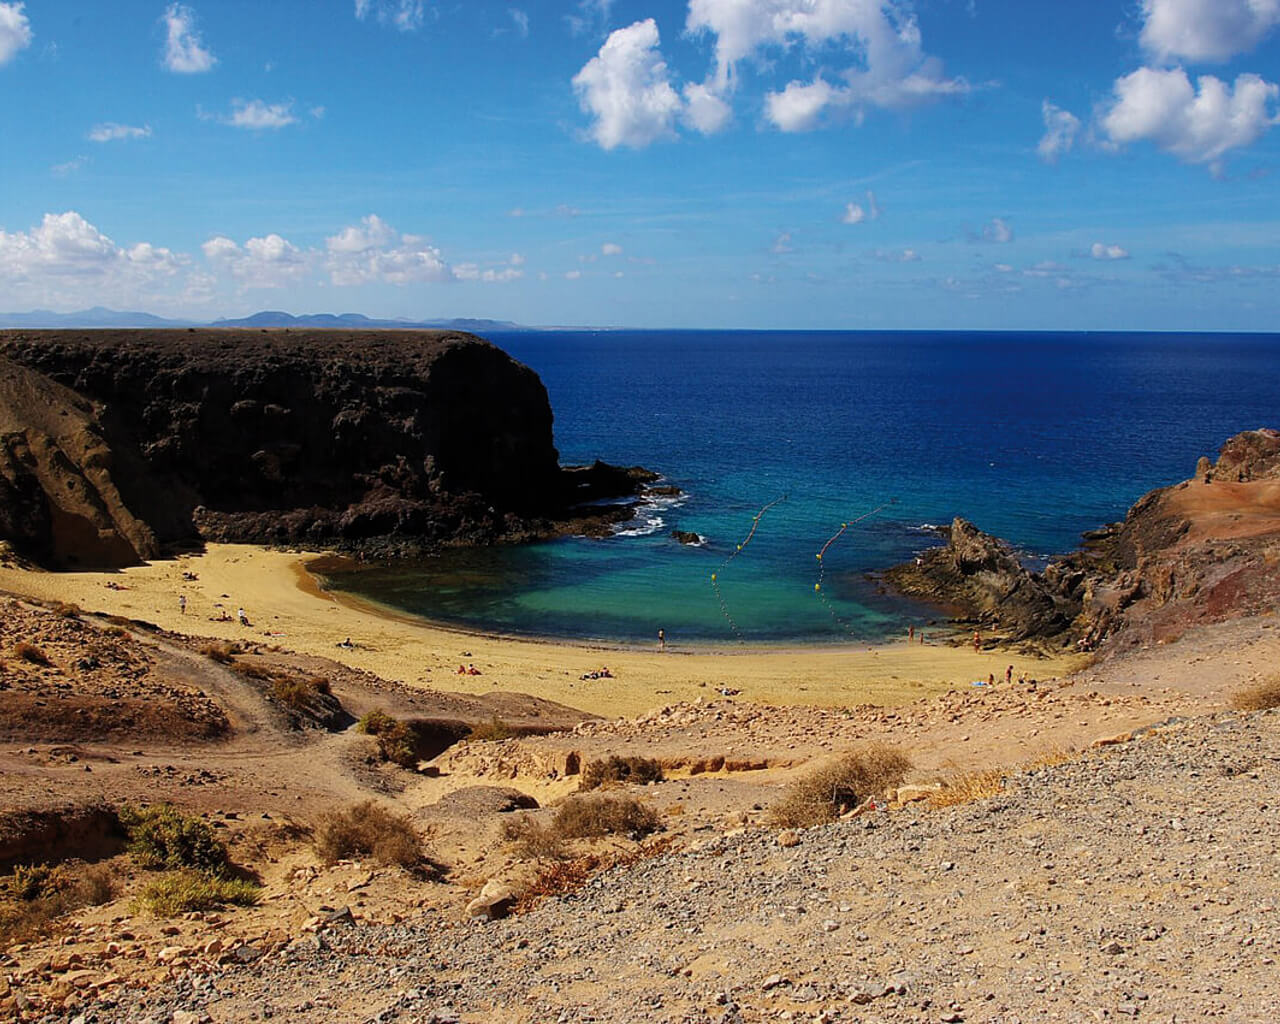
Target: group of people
[[468, 670], [603, 673]]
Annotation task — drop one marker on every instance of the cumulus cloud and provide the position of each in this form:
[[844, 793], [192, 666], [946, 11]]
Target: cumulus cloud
[[266, 262], [856, 213], [65, 259], [1198, 124], [487, 275], [611, 249], [704, 111], [1101, 251], [1060, 130], [627, 90], [572, 275], [1205, 30], [184, 50], [109, 131], [373, 251], [403, 15], [998, 231], [887, 65], [255, 115], [15, 31]]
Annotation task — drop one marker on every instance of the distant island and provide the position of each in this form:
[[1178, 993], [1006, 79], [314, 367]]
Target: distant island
[[101, 317]]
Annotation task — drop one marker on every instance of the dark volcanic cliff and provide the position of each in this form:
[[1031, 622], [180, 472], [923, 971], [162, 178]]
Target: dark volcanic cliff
[[319, 437]]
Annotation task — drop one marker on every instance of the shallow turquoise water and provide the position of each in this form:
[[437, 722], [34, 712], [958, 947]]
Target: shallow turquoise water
[[1033, 437]]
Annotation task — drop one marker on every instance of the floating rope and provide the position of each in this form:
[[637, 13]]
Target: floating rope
[[840, 622], [715, 576]]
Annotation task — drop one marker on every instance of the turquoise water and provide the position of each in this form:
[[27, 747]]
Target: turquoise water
[[1035, 438]]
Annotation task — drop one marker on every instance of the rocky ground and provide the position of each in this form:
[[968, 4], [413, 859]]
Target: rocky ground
[[1138, 881]]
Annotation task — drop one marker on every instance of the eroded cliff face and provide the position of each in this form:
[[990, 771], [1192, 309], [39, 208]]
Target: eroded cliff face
[[1204, 550], [317, 437]]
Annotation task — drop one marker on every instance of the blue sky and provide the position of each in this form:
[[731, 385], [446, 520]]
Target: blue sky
[[1019, 164]]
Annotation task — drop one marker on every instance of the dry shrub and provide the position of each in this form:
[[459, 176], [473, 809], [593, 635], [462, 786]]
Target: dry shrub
[[826, 793], [183, 892], [31, 653], [298, 693], [966, 787], [1259, 697], [164, 837], [67, 611], [533, 840], [397, 741], [34, 897], [368, 830], [222, 653], [492, 730], [617, 770], [585, 816], [561, 877], [375, 723], [1049, 758]]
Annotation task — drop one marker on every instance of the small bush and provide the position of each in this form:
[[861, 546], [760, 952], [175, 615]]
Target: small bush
[[34, 897], [533, 840], [67, 611], [368, 830], [823, 795], [164, 837], [224, 654], [1259, 697], [375, 723], [615, 770], [297, 693], [966, 787], [182, 892], [492, 730], [28, 882], [598, 815], [31, 653]]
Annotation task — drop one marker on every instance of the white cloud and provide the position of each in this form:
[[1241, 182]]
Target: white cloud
[[856, 213], [69, 167], [704, 111], [1206, 30], [593, 15], [1197, 124], [572, 275], [998, 231], [67, 261], [109, 131], [517, 260], [611, 249], [266, 262], [255, 115], [184, 50], [487, 275], [1099, 251], [403, 15], [521, 20], [880, 41], [627, 90], [1060, 130], [782, 244], [1003, 268], [373, 251], [896, 255], [1044, 269], [15, 31]]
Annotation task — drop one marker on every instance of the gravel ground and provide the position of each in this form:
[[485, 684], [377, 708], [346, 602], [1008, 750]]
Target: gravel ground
[[1138, 882]]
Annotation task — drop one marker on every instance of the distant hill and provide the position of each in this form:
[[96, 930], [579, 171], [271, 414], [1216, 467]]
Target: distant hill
[[44, 319]]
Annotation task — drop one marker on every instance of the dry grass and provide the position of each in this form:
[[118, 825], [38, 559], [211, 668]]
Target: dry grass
[[559, 878], [1259, 697], [823, 795], [368, 830], [184, 892], [224, 654], [297, 693], [615, 770], [966, 787], [493, 730], [1049, 758], [533, 840], [581, 817], [34, 897]]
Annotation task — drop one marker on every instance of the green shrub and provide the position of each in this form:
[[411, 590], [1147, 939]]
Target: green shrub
[[599, 815], [367, 829], [28, 882], [164, 837], [616, 770], [181, 892], [823, 795], [397, 741], [375, 723]]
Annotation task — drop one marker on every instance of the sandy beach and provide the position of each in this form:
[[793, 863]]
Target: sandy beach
[[286, 607]]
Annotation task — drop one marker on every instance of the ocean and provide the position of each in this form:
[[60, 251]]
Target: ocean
[[1033, 437]]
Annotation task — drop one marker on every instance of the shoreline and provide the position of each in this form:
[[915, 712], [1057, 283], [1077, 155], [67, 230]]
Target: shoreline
[[289, 608]]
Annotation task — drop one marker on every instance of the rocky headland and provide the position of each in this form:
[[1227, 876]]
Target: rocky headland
[[118, 445], [1204, 550]]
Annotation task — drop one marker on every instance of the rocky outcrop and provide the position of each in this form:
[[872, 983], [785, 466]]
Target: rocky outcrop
[[1204, 550], [978, 579], [376, 440]]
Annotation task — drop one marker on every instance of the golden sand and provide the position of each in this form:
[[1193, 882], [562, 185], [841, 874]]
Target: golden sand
[[286, 607]]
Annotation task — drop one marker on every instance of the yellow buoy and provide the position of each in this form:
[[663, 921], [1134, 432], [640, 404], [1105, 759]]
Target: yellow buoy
[[817, 586]]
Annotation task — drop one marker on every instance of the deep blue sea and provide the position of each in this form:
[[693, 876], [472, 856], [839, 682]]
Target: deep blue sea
[[1034, 437]]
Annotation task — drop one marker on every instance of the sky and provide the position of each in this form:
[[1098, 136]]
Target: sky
[[790, 164]]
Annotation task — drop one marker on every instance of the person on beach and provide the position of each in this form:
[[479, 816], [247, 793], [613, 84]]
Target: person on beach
[[977, 642], [182, 603], [911, 633], [662, 640], [244, 619], [1008, 674]]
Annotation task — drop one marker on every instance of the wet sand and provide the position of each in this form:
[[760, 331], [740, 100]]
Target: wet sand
[[285, 606]]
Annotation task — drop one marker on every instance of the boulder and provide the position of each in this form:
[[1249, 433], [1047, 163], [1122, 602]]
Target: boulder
[[496, 901]]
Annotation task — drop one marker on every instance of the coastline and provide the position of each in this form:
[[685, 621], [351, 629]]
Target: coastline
[[287, 607]]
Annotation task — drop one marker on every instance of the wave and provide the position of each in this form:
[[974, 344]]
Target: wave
[[650, 515]]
